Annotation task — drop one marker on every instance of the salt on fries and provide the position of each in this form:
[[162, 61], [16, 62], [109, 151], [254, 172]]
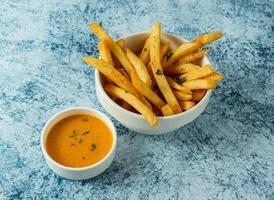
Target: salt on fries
[[156, 81]]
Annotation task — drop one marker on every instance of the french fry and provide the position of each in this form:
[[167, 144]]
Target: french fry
[[166, 110], [177, 86], [158, 71], [113, 74], [104, 52], [122, 71], [193, 56], [121, 43], [200, 84], [144, 56], [146, 91], [133, 101], [198, 73], [207, 38], [197, 95], [98, 30], [215, 76], [181, 69], [174, 55], [164, 49], [140, 67], [182, 96], [186, 105]]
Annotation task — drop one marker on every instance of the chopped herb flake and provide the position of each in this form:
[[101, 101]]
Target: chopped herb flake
[[180, 80], [86, 132], [145, 49], [72, 144], [84, 119], [93, 147], [74, 134], [80, 141], [159, 72]]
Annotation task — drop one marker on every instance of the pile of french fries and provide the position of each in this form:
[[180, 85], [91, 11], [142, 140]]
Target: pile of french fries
[[156, 81]]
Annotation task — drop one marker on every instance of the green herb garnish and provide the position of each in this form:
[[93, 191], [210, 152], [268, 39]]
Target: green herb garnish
[[159, 72], [84, 119], [93, 147], [80, 141], [86, 132], [73, 135], [168, 55], [145, 49], [180, 80]]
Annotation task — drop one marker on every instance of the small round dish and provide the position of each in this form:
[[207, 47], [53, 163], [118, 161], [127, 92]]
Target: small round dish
[[78, 173], [135, 121]]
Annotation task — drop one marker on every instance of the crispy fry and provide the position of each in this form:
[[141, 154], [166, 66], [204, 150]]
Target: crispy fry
[[200, 84], [144, 56], [215, 76], [146, 91], [198, 73], [98, 30], [104, 52], [186, 105], [140, 67], [207, 38], [121, 43], [166, 110], [158, 71], [193, 56], [197, 95], [174, 55], [177, 86], [122, 71], [182, 96], [181, 69], [164, 49], [113, 74], [133, 101]]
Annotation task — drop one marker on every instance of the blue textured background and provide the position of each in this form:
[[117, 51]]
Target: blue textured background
[[227, 153]]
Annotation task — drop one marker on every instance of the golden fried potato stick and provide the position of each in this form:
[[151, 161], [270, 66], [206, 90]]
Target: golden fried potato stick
[[126, 106], [177, 86], [139, 67], [166, 110], [193, 56], [121, 43], [104, 52], [215, 76], [174, 55], [113, 74], [157, 70], [197, 95], [207, 38], [181, 69], [133, 101], [186, 105], [146, 91], [198, 73], [144, 56], [182, 96], [200, 84]]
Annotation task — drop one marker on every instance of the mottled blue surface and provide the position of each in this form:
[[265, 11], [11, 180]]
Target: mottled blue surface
[[227, 153]]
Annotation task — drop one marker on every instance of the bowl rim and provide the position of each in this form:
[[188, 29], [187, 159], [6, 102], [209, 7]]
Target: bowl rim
[[93, 112], [99, 84]]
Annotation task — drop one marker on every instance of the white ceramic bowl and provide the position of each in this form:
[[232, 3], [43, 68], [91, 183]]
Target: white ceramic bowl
[[79, 173], [135, 121]]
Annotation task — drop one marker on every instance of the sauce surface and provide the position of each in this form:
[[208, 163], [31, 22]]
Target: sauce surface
[[79, 141]]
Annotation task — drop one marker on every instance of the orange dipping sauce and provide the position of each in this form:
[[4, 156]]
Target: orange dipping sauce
[[79, 141]]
